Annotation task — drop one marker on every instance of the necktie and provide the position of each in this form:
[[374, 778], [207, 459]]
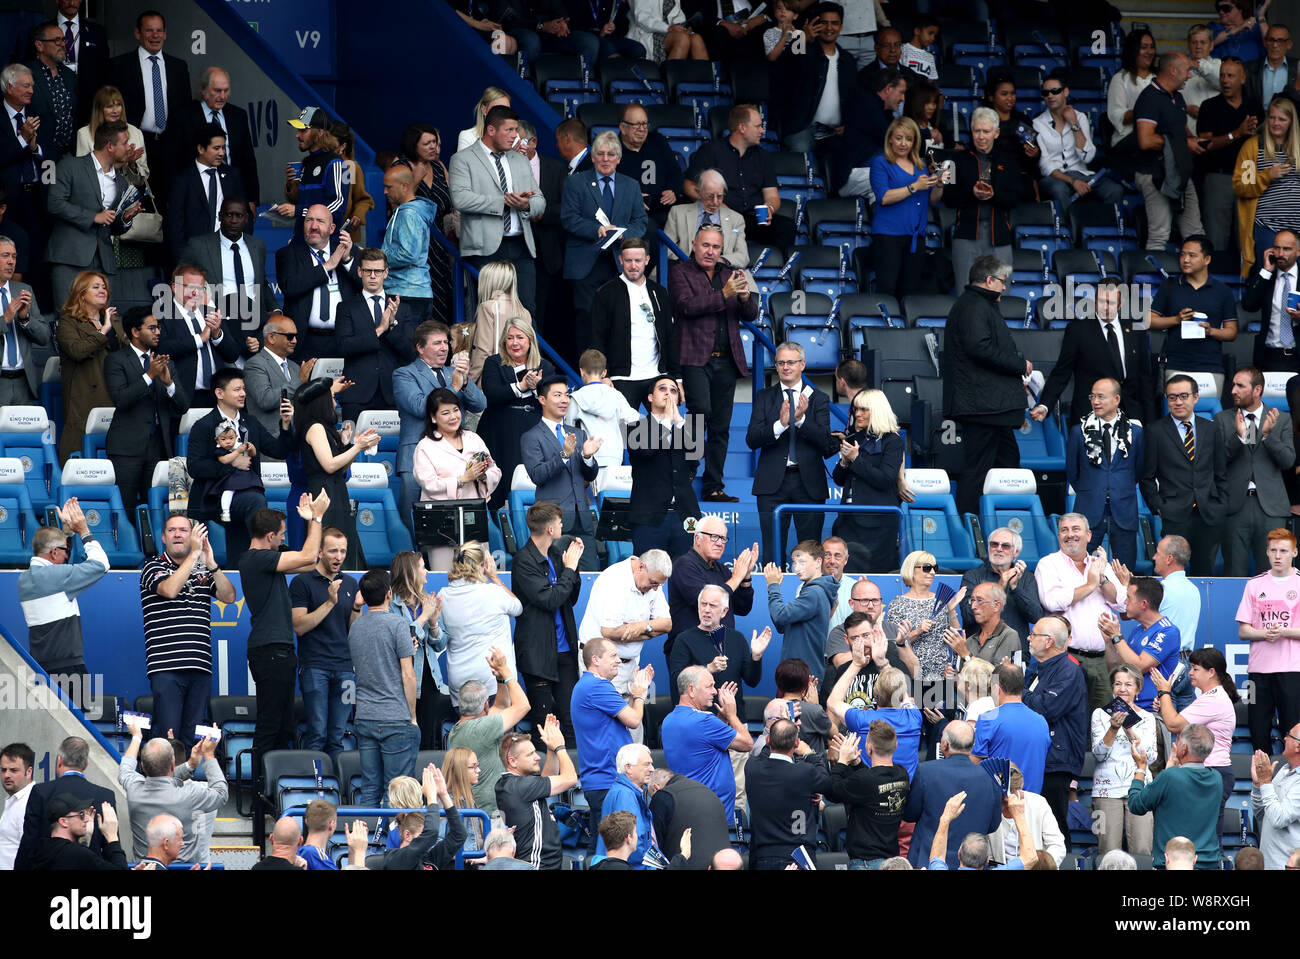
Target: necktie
[[284, 365], [214, 116], [607, 195], [241, 284], [69, 43], [27, 172], [144, 362], [1113, 342], [1285, 335], [377, 307], [505, 188], [325, 313], [1250, 428], [205, 352], [11, 333], [559, 434], [1189, 442], [211, 174], [442, 380], [159, 101], [789, 398], [1105, 440]]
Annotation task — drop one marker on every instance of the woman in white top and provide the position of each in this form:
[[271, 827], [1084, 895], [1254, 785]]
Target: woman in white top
[[108, 108], [492, 97], [1137, 70], [660, 27], [476, 612], [1115, 766]]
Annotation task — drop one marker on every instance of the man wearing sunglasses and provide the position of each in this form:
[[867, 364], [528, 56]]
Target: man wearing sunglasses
[[1066, 148], [48, 591], [273, 369], [1005, 568]]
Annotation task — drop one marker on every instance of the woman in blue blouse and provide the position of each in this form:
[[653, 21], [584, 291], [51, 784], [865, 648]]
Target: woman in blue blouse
[[905, 190], [1239, 33]]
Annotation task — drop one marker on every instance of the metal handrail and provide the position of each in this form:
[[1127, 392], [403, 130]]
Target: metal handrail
[[824, 508]]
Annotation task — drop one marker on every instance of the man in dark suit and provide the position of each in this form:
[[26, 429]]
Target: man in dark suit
[[142, 384], [85, 45], [1275, 74], [247, 296], [25, 144], [548, 232], [562, 468], [594, 204], [213, 106], [203, 465], [198, 189], [546, 582], [1091, 350], [1184, 477], [791, 427], [23, 333], [664, 458], [195, 335], [936, 782], [316, 275], [1259, 448], [154, 85], [373, 340], [70, 777], [628, 302], [1103, 457], [1267, 291]]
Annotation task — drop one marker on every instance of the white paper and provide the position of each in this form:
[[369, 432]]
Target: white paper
[[1192, 330], [612, 237], [601, 218], [141, 720], [208, 732]]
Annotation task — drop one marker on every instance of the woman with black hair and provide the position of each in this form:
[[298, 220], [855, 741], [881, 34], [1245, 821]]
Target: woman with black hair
[[421, 150], [325, 457], [1137, 68], [1016, 140]]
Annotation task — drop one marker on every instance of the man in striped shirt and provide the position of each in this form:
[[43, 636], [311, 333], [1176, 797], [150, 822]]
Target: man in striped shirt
[[176, 591]]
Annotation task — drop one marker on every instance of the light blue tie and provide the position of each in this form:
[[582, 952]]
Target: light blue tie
[[559, 434], [1286, 336], [11, 332], [159, 101]]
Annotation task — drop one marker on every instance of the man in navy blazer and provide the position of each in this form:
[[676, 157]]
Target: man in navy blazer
[[595, 203], [305, 269], [562, 470], [412, 385], [936, 782], [199, 189], [1104, 458], [790, 426], [372, 338], [70, 777]]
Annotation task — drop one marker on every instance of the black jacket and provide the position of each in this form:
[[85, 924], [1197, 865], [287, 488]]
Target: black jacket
[[686, 804], [1254, 88], [177, 341], [427, 848], [548, 233], [370, 360], [611, 327], [960, 195], [661, 474], [982, 367], [36, 828], [1171, 483], [92, 65], [813, 442], [782, 808], [187, 206], [1086, 355], [57, 854], [535, 652], [183, 128], [204, 466], [806, 77], [124, 73], [872, 478], [694, 647], [690, 575], [137, 403], [299, 276], [865, 123], [1258, 296]]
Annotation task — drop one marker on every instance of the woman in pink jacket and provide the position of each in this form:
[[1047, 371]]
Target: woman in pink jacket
[[451, 463]]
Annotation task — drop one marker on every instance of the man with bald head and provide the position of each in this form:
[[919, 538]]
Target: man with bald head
[[155, 785], [406, 244], [214, 106], [935, 782], [1160, 119], [166, 836], [316, 275], [1104, 456], [286, 837], [702, 566]]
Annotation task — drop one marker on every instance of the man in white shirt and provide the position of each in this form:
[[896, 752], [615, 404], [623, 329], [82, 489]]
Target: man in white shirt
[[1267, 291], [22, 330], [16, 762], [827, 83], [194, 335], [1274, 800], [632, 327], [1203, 81], [1066, 148]]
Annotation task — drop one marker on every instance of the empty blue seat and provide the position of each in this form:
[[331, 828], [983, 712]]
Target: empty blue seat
[[95, 439], [25, 434], [379, 527], [188, 419], [1042, 447], [92, 482], [389, 425], [1010, 499], [821, 344], [18, 520], [523, 493], [932, 522]]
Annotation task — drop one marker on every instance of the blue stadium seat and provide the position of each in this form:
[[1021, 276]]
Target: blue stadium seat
[[237, 717], [92, 482], [96, 436], [25, 434], [275, 481], [927, 309], [523, 493], [1275, 390], [379, 526], [1042, 447], [389, 425], [52, 393], [294, 777], [188, 419], [1011, 499], [18, 520], [933, 524], [862, 310], [821, 344]]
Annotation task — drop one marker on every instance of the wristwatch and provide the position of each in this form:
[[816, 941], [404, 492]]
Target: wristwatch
[[1231, 137], [1114, 640], [649, 630], [1074, 128]]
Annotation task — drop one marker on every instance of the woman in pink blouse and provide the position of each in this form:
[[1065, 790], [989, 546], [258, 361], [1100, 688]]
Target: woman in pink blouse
[[451, 463], [1213, 708]]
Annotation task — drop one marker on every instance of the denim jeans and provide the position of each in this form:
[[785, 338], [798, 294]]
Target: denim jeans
[[328, 696], [388, 748], [856, 864], [180, 701]]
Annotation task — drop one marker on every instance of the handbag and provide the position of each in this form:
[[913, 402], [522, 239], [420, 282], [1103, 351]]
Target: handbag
[[144, 228]]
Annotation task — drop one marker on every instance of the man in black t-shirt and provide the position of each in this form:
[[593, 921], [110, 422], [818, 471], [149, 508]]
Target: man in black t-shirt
[[1221, 126], [525, 786], [875, 795], [1165, 176], [271, 659], [859, 626]]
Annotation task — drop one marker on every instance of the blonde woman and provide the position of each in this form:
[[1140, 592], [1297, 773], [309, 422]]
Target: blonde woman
[[109, 108], [88, 331], [871, 454], [477, 608], [404, 792], [498, 303], [492, 97], [510, 378], [1267, 184], [975, 688], [905, 190], [461, 770]]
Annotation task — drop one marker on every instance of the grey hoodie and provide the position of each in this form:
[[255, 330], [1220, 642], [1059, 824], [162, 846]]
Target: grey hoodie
[[804, 621]]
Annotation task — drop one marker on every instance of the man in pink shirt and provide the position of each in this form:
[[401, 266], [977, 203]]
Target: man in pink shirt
[[1080, 587], [1267, 619]]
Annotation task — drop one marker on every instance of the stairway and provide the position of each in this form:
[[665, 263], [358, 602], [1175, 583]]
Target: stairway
[[1168, 20]]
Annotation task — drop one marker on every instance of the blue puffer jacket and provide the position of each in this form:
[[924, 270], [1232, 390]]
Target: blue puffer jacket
[[624, 794]]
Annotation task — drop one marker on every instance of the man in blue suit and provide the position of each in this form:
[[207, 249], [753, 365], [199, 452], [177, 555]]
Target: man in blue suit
[[595, 203], [1103, 459], [935, 782], [412, 385], [562, 468], [199, 188]]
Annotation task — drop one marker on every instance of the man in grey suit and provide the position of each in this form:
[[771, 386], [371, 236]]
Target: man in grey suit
[[493, 189], [83, 210], [21, 328], [560, 475], [1259, 449], [685, 220], [271, 370], [236, 263], [412, 385]]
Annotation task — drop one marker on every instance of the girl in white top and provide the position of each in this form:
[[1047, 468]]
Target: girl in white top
[[492, 97], [476, 612], [1112, 748], [1137, 70]]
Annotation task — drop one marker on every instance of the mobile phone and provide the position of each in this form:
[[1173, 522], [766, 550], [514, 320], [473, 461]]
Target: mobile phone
[[284, 395], [521, 373], [789, 708]]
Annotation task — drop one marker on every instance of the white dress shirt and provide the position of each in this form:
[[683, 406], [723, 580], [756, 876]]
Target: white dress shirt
[[512, 227], [149, 121], [189, 318], [12, 126], [799, 390], [1058, 150], [11, 826], [148, 380], [1119, 337], [221, 194], [107, 184], [1277, 311], [615, 601], [9, 297], [316, 321], [551, 425], [76, 35]]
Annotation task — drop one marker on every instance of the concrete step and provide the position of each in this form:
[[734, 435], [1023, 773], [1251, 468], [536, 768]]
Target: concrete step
[[1168, 20]]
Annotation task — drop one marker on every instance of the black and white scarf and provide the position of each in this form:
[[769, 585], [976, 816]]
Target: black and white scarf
[[1093, 437]]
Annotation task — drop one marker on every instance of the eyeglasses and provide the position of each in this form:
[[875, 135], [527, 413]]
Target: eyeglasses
[[287, 336], [927, 567], [1041, 635], [1289, 736], [979, 601], [1178, 397], [373, 272], [1051, 91], [993, 545], [638, 124], [1266, 40], [1100, 396], [869, 599], [719, 538], [788, 362], [1224, 8]]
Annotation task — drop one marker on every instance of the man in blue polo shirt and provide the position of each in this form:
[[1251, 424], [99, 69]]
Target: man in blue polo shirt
[[696, 742], [602, 720], [1155, 644], [1180, 299], [1013, 730], [323, 601]]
